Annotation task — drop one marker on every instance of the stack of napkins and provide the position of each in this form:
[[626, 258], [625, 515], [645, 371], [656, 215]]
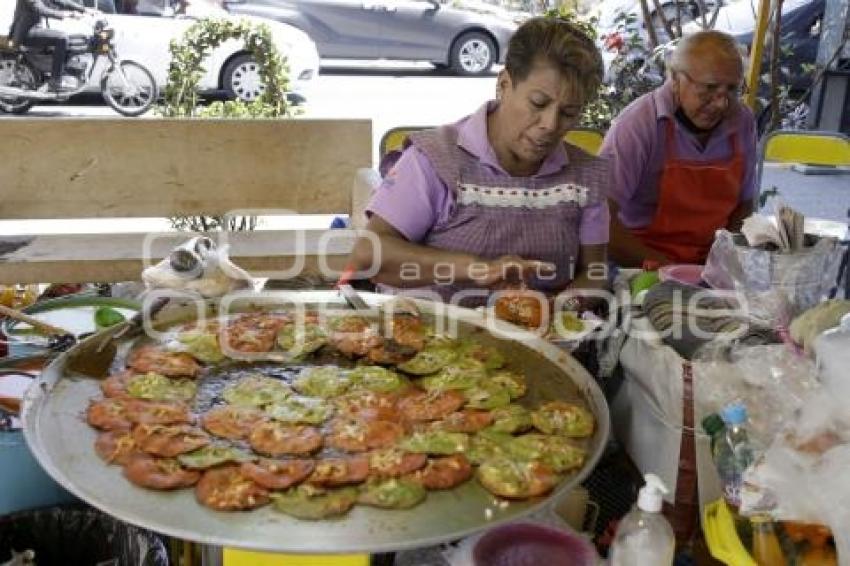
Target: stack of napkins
[[785, 231]]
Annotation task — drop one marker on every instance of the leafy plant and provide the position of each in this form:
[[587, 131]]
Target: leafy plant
[[586, 25], [182, 97], [636, 70]]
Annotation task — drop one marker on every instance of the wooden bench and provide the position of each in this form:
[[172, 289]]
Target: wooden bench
[[89, 169]]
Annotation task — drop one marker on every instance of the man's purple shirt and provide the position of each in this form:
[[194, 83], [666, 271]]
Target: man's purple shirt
[[635, 147], [413, 199]]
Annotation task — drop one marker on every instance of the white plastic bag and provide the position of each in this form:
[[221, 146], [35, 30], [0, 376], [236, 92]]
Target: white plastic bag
[[198, 266]]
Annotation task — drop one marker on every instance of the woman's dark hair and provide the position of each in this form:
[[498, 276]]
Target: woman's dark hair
[[562, 45]]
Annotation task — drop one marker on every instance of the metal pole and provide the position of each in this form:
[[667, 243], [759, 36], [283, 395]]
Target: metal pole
[[827, 97], [762, 18], [647, 21], [211, 555]]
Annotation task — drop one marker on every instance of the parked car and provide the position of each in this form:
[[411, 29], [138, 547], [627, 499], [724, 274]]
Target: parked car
[[145, 28], [739, 17], [467, 35]]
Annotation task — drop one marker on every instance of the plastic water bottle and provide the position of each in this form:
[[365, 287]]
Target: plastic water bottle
[[733, 453], [715, 428], [644, 537]]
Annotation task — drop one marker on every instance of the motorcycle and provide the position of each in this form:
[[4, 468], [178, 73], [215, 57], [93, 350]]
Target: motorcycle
[[128, 87]]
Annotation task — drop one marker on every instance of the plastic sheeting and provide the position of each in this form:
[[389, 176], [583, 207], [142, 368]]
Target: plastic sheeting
[[803, 474]]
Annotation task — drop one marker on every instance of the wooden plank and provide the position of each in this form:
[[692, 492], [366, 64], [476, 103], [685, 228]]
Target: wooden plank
[[71, 168], [121, 257]]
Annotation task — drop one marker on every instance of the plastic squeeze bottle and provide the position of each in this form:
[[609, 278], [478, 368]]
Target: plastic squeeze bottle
[[644, 537]]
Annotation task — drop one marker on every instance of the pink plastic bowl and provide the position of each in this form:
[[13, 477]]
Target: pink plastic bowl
[[532, 544], [684, 273]]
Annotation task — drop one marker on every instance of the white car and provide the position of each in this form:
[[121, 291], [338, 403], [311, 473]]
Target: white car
[[145, 36], [619, 19], [740, 16], [608, 12]]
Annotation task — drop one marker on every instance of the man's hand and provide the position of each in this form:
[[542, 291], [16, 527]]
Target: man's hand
[[511, 269]]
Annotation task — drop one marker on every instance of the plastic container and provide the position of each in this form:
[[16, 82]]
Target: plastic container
[[644, 537], [519, 544], [766, 548], [23, 482], [733, 453], [684, 273]]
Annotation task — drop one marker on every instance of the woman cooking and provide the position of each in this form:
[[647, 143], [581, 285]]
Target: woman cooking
[[498, 195]]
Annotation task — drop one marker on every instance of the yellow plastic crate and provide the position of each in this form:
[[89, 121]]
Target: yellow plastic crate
[[235, 557]]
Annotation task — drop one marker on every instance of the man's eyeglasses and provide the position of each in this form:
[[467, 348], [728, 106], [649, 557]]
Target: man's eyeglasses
[[708, 91]]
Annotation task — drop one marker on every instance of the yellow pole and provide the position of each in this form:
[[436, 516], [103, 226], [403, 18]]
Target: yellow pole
[[756, 50]]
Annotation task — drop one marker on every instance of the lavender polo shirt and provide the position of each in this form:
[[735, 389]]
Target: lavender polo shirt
[[413, 199], [635, 148]]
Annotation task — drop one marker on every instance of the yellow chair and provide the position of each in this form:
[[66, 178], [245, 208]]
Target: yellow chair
[[393, 139], [588, 139], [830, 149]]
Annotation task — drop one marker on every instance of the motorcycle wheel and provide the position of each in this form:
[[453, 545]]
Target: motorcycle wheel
[[10, 73], [129, 88]]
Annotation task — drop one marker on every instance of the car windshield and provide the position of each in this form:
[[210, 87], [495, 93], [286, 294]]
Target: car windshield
[[204, 8], [192, 8]]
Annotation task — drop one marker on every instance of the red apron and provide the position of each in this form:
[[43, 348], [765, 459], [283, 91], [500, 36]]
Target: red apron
[[695, 198]]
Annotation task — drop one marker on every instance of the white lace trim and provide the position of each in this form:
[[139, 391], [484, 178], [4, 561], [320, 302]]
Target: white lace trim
[[518, 197]]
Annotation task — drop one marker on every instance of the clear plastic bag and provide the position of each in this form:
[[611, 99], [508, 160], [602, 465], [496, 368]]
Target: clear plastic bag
[[803, 475], [772, 381]]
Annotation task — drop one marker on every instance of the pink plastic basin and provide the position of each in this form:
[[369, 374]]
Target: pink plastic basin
[[684, 273], [532, 544]]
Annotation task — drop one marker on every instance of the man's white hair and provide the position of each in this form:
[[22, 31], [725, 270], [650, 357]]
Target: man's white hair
[[699, 44]]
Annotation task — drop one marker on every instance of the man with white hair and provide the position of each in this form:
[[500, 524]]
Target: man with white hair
[[683, 158]]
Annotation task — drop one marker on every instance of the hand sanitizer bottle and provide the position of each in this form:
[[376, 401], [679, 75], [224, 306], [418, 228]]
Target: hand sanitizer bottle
[[644, 537]]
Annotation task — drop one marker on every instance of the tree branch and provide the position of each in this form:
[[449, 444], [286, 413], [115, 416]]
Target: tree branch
[[650, 29], [665, 23]]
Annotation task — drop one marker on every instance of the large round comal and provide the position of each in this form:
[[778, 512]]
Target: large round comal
[[63, 443]]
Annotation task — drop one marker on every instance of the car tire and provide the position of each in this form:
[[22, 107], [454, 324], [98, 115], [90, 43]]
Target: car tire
[[241, 79], [473, 53]]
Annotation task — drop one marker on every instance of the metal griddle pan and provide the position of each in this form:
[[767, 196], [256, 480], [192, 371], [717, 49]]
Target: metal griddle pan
[[63, 443]]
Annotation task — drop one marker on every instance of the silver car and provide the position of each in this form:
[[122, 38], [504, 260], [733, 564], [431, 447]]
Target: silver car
[[468, 36]]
